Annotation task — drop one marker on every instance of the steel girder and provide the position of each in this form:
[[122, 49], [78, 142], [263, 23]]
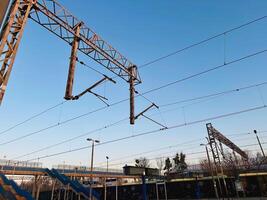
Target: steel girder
[[55, 18], [221, 138], [10, 40]]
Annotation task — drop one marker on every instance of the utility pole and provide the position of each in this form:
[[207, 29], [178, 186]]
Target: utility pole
[[211, 171], [132, 91], [92, 164], [255, 132]]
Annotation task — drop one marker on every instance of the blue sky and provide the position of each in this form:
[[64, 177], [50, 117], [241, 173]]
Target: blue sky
[[142, 31]]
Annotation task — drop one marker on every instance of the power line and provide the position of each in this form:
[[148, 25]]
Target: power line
[[158, 156], [70, 139], [149, 91], [156, 131], [215, 94], [201, 42], [152, 151], [117, 122], [189, 143], [32, 117], [206, 71], [60, 123], [141, 66]]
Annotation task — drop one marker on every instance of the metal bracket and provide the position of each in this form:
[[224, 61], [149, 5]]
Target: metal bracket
[[145, 110], [89, 90]]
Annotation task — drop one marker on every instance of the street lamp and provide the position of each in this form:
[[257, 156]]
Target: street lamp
[[92, 162], [75, 176], [255, 132], [105, 193], [107, 162], [211, 170], [3, 164], [14, 168]]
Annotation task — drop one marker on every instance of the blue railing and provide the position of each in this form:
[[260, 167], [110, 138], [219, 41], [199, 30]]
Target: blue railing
[[75, 185], [19, 191], [9, 195]]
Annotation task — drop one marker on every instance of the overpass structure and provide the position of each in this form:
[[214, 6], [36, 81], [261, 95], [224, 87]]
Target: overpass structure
[[38, 171], [64, 183]]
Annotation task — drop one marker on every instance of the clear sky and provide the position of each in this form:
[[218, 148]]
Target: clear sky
[[142, 31]]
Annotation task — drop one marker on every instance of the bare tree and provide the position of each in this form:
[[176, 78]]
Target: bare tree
[[160, 164], [205, 165], [142, 162]]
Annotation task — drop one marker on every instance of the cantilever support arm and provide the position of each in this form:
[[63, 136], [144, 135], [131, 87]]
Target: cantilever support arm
[[91, 87], [141, 113], [164, 127]]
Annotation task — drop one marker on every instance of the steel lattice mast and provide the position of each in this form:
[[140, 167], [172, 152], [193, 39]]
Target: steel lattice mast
[[214, 136], [58, 20]]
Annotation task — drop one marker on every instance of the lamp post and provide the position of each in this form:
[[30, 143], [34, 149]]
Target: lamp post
[[3, 163], [107, 162], [211, 170], [255, 132], [63, 166], [92, 163], [105, 193], [14, 169]]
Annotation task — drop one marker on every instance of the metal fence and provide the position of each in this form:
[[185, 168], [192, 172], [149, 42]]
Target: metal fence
[[17, 163], [84, 168]]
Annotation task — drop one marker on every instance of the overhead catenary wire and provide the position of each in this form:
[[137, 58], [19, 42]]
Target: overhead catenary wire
[[189, 160], [94, 131], [155, 131], [145, 64], [206, 71], [32, 117], [170, 153], [215, 94], [154, 157], [149, 91], [153, 150], [191, 143], [70, 139], [88, 66], [124, 119], [194, 142], [201, 42]]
